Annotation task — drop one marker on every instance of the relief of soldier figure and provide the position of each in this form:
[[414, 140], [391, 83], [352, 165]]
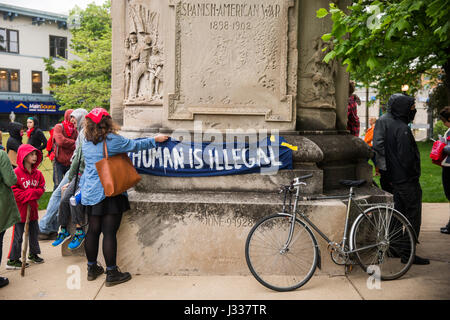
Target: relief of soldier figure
[[144, 64], [318, 78]]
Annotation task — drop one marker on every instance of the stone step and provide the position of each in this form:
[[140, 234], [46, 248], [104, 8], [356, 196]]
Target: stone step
[[203, 233]]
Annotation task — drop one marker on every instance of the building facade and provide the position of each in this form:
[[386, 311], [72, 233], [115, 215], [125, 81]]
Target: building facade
[[27, 37]]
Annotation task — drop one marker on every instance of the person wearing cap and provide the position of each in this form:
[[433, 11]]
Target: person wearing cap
[[48, 225], [68, 213], [105, 213], [35, 135]]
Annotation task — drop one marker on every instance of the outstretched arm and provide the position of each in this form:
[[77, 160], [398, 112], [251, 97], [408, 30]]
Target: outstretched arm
[[124, 145]]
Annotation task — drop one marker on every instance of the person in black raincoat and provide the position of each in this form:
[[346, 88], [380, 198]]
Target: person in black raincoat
[[35, 135], [398, 159], [15, 139]]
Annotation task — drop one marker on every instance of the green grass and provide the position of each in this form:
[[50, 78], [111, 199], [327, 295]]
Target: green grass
[[43, 201], [431, 176]]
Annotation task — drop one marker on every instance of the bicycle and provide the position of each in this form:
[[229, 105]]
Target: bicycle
[[282, 253]]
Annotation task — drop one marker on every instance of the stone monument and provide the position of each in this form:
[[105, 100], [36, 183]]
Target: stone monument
[[214, 67]]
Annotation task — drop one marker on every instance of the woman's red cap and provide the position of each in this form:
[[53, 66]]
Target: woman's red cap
[[96, 114]]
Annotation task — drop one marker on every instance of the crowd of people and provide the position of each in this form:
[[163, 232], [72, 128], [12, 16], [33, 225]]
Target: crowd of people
[[75, 146], [396, 155], [78, 198]]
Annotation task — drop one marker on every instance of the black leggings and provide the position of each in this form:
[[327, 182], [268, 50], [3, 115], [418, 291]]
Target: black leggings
[[1, 245], [446, 181], [108, 225]]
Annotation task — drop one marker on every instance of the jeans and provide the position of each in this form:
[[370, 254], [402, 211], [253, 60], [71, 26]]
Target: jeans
[[68, 213], [60, 172], [18, 237], [49, 222]]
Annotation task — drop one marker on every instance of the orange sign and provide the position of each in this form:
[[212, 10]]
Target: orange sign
[[21, 106]]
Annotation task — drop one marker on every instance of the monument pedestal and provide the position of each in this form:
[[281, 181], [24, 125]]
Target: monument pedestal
[[252, 66], [204, 233], [199, 225]]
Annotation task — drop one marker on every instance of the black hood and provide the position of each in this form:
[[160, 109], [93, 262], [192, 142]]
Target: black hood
[[399, 105], [14, 130]]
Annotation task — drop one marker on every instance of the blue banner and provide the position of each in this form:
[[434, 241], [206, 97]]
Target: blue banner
[[34, 107], [180, 159]]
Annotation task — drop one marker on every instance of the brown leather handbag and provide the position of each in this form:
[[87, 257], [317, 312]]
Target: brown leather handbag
[[116, 173]]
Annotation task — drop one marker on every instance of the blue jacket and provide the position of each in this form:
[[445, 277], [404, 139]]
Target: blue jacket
[[92, 191]]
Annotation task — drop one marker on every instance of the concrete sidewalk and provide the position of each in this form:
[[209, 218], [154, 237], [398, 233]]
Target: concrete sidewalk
[[54, 278]]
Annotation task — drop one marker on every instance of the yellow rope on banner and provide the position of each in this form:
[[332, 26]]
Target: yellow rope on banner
[[284, 144], [290, 146]]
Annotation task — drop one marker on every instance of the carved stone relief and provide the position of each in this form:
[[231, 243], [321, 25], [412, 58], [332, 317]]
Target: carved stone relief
[[232, 59], [317, 77], [143, 70]]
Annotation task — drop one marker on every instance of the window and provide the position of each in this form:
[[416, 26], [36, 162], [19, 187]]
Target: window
[[9, 40], [9, 80], [36, 81], [58, 46]]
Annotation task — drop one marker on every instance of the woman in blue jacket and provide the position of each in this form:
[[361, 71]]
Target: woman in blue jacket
[[105, 213]]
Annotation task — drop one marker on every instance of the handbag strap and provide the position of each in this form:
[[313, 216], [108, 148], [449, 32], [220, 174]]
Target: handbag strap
[[105, 150]]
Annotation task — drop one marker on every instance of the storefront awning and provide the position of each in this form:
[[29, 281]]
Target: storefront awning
[[35, 104]]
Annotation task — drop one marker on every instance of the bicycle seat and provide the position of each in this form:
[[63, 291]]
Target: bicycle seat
[[352, 183]]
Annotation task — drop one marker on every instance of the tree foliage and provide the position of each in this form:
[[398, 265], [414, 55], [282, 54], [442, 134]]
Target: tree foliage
[[389, 43], [86, 81]]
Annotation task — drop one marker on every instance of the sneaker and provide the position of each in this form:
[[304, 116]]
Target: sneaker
[[35, 258], [15, 265], [115, 276], [94, 271], [3, 282], [77, 240], [61, 238], [445, 230]]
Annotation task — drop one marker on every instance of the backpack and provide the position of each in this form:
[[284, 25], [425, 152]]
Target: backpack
[[436, 153]]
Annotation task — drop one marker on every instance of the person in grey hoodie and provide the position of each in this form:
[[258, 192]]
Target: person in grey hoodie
[[67, 212], [48, 225]]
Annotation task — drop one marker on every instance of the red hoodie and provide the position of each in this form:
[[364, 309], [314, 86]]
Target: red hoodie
[[30, 186], [64, 144]]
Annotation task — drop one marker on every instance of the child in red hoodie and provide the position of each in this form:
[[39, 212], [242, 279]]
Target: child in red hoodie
[[29, 188]]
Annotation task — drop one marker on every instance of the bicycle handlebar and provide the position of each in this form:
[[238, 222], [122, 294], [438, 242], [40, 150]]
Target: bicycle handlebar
[[296, 181]]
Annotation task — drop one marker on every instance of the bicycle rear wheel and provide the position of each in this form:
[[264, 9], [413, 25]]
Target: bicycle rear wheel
[[273, 266], [390, 241]]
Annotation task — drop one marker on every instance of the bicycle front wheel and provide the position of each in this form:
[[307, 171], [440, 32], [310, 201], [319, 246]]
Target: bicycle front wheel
[[274, 265], [384, 242]]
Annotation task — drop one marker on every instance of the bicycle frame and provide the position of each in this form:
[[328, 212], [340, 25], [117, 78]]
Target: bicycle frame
[[350, 198]]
